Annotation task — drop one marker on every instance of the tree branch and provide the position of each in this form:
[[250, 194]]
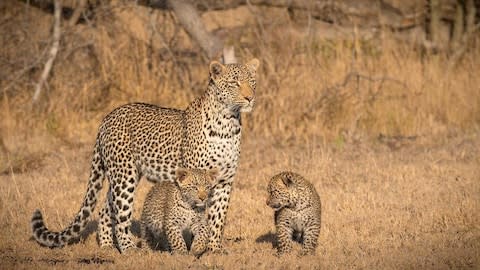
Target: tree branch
[[81, 4], [53, 51], [192, 23], [23, 71]]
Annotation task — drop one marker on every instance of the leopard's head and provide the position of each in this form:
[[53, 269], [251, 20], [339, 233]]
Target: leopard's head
[[195, 185], [281, 191], [235, 84]]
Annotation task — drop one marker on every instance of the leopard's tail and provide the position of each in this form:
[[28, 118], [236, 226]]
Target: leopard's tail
[[59, 239]]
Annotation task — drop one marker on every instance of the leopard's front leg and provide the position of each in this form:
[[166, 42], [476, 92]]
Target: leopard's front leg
[[175, 239], [284, 231], [200, 237], [217, 212]]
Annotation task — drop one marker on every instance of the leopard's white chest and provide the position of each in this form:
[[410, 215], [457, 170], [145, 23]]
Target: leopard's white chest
[[223, 146]]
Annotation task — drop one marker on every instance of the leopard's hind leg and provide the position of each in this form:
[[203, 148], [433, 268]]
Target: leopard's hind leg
[[123, 178], [105, 226]]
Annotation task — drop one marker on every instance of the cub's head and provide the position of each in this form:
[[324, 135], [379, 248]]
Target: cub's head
[[235, 84], [195, 185], [281, 191]]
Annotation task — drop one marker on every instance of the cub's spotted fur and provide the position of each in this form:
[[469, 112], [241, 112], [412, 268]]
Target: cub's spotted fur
[[138, 140], [297, 211], [173, 210]]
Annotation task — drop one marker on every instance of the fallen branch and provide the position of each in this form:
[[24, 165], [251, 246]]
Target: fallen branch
[[53, 51], [378, 13]]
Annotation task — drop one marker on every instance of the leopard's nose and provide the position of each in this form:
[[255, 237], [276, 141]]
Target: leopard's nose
[[246, 91], [202, 195]]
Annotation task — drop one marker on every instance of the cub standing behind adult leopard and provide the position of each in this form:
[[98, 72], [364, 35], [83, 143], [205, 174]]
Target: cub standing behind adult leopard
[[172, 208], [297, 211], [138, 140]]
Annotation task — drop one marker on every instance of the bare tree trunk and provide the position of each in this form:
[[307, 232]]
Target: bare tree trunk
[[228, 56], [470, 28], [458, 29], [53, 51], [434, 21], [470, 16], [192, 23]]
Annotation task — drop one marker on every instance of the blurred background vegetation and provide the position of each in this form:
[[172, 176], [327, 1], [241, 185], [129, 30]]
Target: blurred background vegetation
[[331, 71]]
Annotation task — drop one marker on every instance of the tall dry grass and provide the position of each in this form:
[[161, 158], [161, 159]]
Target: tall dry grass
[[307, 87]]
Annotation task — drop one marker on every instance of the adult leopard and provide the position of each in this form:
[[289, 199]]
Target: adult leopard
[[138, 140]]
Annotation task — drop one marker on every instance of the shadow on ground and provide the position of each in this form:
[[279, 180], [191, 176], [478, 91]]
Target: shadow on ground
[[267, 238]]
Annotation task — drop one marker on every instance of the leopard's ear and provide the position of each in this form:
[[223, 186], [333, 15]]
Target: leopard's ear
[[287, 179], [181, 174], [214, 174], [253, 64], [216, 69]]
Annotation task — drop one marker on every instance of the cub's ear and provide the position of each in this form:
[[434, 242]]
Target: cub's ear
[[287, 179], [253, 64], [216, 69], [181, 174], [214, 173]]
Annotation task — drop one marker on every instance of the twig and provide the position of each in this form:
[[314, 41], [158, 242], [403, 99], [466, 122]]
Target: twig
[[460, 51], [77, 12], [53, 51], [24, 70], [153, 25], [77, 47], [351, 75]]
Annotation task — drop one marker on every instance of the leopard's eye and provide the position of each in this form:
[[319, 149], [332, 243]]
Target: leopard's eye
[[233, 83]]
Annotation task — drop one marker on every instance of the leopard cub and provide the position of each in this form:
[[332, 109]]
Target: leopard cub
[[298, 211], [175, 211]]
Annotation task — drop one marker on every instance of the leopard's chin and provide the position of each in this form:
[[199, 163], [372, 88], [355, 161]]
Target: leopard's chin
[[275, 207], [200, 206], [246, 109]]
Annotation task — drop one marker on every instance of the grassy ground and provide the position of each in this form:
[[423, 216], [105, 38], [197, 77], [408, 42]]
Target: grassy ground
[[415, 207]]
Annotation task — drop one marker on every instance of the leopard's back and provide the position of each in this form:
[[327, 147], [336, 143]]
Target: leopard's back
[[149, 134]]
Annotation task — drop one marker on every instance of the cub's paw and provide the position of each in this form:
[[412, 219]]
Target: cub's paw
[[198, 251]]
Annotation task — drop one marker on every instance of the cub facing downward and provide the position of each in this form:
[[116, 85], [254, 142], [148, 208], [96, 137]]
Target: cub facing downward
[[174, 210], [297, 211]]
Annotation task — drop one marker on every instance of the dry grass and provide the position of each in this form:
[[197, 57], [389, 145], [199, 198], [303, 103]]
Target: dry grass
[[388, 203], [417, 207]]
